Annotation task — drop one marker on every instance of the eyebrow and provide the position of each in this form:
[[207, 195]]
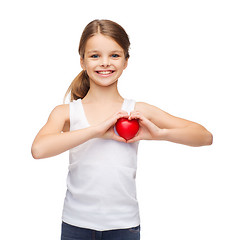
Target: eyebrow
[[96, 51]]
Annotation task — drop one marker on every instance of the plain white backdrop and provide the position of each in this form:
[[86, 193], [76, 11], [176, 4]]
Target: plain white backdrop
[[183, 60]]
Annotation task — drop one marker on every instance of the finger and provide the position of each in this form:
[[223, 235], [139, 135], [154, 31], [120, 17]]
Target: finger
[[118, 115], [121, 114], [136, 115], [132, 112], [135, 139], [118, 138]]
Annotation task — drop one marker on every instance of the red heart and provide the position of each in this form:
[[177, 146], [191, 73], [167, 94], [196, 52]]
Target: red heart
[[127, 128]]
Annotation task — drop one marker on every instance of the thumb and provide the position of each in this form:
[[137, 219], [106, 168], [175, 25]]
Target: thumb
[[118, 138], [134, 139]]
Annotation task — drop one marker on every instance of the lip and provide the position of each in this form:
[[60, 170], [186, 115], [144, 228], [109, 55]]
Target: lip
[[105, 73]]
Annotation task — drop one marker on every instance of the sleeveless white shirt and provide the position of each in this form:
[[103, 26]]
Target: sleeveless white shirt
[[101, 187]]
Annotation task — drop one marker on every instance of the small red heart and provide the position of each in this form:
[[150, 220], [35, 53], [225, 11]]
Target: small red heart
[[127, 128]]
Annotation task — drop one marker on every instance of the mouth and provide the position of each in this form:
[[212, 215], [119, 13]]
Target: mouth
[[105, 72]]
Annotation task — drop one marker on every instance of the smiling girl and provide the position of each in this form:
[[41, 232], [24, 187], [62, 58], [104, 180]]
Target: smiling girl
[[101, 201]]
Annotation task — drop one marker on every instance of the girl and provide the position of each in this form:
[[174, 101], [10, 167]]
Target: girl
[[101, 202]]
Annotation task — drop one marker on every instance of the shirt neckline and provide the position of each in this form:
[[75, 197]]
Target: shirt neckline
[[84, 114]]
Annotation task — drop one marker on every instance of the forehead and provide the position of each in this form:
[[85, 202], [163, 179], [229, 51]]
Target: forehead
[[101, 42]]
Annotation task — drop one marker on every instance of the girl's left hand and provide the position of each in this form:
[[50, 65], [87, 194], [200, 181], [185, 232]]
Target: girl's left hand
[[147, 130]]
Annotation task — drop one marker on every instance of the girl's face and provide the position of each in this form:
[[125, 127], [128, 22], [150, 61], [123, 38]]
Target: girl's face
[[104, 60]]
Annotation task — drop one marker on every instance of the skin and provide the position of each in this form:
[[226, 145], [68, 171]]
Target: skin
[[102, 107]]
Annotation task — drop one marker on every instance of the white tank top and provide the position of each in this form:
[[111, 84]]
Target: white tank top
[[101, 187]]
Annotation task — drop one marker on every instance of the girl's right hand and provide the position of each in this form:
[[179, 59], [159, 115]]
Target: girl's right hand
[[106, 128]]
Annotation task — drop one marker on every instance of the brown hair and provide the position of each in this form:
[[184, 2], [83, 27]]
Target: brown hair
[[81, 84]]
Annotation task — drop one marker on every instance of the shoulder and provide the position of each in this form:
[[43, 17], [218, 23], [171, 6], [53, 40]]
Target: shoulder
[[147, 109], [61, 111], [161, 118], [141, 106], [61, 115]]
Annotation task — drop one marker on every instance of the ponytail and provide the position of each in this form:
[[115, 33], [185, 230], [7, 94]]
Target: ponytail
[[79, 87]]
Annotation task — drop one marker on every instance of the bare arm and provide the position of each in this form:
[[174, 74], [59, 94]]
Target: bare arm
[[193, 135], [159, 125], [51, 141]]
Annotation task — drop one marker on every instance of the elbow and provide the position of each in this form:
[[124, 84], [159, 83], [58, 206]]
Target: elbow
[[207, 139], [35, 152]]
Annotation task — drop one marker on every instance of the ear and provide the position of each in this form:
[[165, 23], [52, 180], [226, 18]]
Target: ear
[[82, 63]]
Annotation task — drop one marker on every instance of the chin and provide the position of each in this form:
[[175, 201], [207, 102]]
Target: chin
[[104, 82]]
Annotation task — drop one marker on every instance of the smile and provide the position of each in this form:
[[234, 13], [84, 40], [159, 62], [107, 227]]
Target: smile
[[107, 72]]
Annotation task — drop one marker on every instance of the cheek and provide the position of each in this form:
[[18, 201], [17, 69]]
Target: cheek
[[121, 65], [90, 65], [125, 63]]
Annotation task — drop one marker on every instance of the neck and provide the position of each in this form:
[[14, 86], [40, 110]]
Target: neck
[[102, 95]]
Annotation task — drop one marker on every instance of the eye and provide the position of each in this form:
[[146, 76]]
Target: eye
[[95, 56], [115, 55]]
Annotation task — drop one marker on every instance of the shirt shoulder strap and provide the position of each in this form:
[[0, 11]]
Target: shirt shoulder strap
[[129, 105], [77, 116]]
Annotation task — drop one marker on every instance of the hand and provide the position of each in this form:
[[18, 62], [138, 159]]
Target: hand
[[106, 128], [147, 130]]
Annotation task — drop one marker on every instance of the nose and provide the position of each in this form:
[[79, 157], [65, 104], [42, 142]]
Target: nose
[[105, 62]]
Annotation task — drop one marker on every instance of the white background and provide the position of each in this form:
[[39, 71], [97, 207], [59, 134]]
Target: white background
[[183, 60]]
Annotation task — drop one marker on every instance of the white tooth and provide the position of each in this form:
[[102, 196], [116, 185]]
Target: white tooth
[[107, 72]]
